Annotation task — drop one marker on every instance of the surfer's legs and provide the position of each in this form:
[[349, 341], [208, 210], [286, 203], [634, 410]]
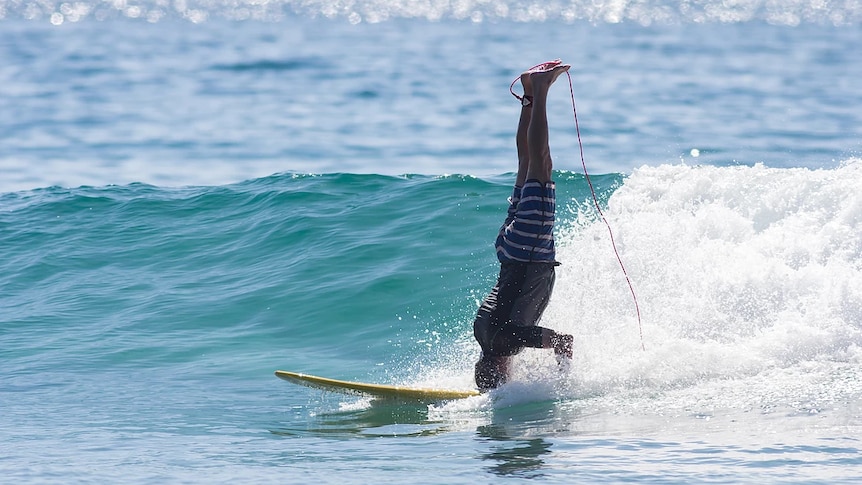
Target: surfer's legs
[[540, 166], [521, 139]]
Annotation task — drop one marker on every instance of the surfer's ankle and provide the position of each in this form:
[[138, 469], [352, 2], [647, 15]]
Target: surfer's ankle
[[527, 85]]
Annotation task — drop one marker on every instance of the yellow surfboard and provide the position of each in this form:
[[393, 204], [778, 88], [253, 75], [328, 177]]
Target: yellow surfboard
[[382, 391]]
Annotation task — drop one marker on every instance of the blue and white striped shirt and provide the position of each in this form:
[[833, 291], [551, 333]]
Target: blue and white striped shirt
[[527, 235]]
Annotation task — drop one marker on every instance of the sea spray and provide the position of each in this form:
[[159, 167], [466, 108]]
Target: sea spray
[[742, 270]]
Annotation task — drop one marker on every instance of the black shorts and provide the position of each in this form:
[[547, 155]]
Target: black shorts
[[507, 320]]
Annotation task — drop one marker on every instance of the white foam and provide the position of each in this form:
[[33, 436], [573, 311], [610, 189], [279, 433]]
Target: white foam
[[739, 271]]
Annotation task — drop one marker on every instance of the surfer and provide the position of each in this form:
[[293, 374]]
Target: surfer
[[507, 320]]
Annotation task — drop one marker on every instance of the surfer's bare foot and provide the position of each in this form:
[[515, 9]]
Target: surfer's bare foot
[[525, 76], [542, 80], [546, 66]]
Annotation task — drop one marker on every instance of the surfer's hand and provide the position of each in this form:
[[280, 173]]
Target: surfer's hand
[[562, 344]]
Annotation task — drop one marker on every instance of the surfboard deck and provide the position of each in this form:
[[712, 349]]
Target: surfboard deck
[[382, 391]]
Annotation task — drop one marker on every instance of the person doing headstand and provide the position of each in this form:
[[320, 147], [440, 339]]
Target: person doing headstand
[[507, 320]]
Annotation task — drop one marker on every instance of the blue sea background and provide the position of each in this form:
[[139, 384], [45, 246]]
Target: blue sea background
[[194, 194]]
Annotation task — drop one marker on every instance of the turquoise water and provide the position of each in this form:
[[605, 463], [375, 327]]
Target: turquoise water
[[195, 194], [142, 325]]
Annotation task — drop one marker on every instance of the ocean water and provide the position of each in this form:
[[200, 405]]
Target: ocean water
[[195, 194]]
